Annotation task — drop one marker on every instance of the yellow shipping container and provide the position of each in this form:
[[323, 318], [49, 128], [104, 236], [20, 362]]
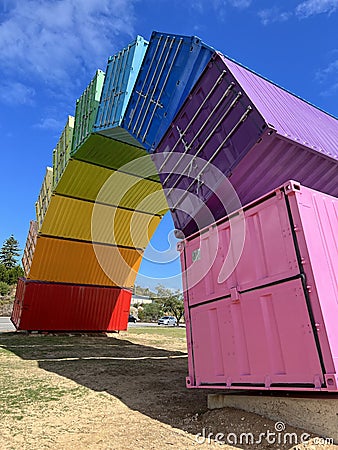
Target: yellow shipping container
[[87, 221], [67, 261], [86, 181]]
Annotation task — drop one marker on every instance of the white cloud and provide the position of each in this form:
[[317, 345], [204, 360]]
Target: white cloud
[[328, 78], [241, 4], [219, 5], [60, 40], [311, 7], [49, 123], [303, 10], [15, 93], [272, 15]]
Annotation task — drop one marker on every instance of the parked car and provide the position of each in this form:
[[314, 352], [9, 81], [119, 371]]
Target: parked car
[[167, 320], [131, 318]]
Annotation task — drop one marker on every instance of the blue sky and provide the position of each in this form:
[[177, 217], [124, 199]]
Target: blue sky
[[49, 51]]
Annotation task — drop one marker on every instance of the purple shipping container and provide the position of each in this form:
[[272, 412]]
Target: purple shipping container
[[266, 318], [237, 125]]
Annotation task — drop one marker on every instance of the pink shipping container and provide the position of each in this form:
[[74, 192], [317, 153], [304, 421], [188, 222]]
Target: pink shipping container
[[44, 306], [271, 323], [28, 253]]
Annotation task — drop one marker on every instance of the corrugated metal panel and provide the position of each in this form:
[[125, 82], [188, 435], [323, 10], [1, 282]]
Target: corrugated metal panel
[[273, 161], [121, 73], [291, 116], [44, 196], [290, 233], [61, 154], [169, 70], [113, 154], [257, 341], [64, 261], [17, 305], [85, 181], [210, 264], [44, 306], [315, 216], [86, 110], [30, 246], [82, 220], [219, 133]]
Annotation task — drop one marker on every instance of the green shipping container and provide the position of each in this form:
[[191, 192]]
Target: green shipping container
[[44, 197], [86, 110], [61, 153], [113, 154]]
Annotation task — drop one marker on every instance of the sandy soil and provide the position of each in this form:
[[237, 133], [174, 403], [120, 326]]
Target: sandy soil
[[118, 392]]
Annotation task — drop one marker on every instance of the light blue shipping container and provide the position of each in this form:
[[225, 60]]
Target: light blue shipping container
[[121, 74], [171, 66]]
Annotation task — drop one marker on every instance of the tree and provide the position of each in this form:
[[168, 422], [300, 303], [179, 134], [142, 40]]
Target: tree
[[14, 274], [171, 301], [9, 252], [150, 312], [4, 288], [3, 274]]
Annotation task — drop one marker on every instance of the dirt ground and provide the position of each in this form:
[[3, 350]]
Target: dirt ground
[[122, 391]]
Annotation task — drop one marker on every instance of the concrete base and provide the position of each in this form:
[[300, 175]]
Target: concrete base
[[315, 415]]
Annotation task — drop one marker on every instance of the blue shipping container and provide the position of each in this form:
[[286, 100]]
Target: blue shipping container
[[172, 65], [121, 74]]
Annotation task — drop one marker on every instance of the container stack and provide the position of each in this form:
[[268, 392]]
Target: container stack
[[260, 281], [107, 198]]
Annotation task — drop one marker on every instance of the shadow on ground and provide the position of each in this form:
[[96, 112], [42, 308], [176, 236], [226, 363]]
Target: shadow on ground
[[145, 378]]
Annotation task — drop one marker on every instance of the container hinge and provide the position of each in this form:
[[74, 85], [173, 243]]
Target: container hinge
[[317, 382], [235, 295]]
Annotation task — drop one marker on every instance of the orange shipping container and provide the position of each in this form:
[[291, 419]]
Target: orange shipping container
[[69, 261]]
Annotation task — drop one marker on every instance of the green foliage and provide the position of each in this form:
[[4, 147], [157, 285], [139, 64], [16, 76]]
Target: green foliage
[[150, 312], [3, 274], [9, 253], [10, 276], [4, 288], [171, 302], [14, 274]]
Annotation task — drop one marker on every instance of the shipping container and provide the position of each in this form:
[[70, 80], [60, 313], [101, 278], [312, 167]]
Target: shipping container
[[86, 110], [90, 182], [30, 246], [170, 68], [122, 70], [87, 221], [113, 154], [239, 126], [41, 306], [265, 318], [70, 261], [61, 153], [44, 196]]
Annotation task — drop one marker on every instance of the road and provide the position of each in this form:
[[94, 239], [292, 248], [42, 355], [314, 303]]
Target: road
[[144, 324], [6, 324]]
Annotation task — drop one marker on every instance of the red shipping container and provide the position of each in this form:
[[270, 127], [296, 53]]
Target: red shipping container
[[266, 319], [44, 306]]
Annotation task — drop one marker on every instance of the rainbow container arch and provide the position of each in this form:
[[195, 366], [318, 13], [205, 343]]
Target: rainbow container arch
[[170, 125]]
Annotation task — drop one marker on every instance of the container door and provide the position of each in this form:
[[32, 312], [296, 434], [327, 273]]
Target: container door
[[260, 338]]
